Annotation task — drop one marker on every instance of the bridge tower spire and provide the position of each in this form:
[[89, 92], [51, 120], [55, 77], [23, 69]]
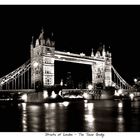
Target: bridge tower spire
[[41, 37], [92, 53], [103, 51], [32, 42], [42, 62]]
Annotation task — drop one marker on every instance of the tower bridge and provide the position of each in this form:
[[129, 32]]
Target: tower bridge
[[43, 56], [38, 72]]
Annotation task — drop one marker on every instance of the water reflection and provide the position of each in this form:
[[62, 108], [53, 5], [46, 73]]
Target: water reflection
[[54, 117], [135, 116], [35, 118], [24, 117], [102, 116], [89, 117], [74, 116], [120, 105], [50, 115], [10, 117], [120, 118]]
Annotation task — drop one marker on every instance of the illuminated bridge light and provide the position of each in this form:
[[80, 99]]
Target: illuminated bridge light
[[85, 95], [65, 103], [120, 91], [85, 101], [90, 87], [131, 96], [53, 95], [24, 97], [72, 96], [120, 105], [79, 96], [45, 94]]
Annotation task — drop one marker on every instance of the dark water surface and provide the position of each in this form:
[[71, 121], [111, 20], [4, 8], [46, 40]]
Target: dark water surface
[[75, 116]]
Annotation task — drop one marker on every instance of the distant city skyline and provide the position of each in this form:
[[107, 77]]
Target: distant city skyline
[[76, 29]]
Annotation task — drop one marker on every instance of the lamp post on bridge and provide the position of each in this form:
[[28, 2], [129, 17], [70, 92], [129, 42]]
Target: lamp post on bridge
[[135, 80], [137, 84], [35, 65]]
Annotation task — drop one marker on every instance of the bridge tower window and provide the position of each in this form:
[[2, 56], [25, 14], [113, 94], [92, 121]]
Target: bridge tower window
[[48, 81]]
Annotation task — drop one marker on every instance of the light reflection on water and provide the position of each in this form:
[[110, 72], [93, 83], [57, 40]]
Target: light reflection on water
[[89, 117], [34, 115], [24, 117], [49, 113], [75, 116], [120, 119]]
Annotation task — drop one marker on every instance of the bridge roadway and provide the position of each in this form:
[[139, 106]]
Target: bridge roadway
[[28, 91], [63, 90], [74, 90], [17, 90]]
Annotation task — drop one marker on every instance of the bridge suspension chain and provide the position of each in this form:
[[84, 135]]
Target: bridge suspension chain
[[17, 78], [20, 78], [120, 82]]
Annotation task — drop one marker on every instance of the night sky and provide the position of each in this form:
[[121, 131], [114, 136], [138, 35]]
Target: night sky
[[76, 29]]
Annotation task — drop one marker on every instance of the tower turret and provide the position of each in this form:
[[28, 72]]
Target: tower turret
[[32, 47], [98, 54], [37, 43], [103, 51], [41, 38], [92, 53], [32, 43], [48, 42]]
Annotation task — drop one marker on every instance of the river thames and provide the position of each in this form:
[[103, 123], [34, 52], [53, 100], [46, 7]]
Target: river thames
[[74, 116]]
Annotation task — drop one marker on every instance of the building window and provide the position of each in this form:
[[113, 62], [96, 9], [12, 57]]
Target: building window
[[48, 81]]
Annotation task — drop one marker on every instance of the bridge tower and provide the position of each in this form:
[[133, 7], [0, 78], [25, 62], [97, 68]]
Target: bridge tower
[[101, 70], [42, 62], [98, 69], [108, 72]]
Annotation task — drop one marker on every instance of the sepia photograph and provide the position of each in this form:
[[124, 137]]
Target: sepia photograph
[[69, 68]]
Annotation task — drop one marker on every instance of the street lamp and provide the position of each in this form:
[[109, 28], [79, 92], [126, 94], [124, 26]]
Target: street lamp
[[90, 87], [135, 80], [35, 65], [61, 83], [136, 85]]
